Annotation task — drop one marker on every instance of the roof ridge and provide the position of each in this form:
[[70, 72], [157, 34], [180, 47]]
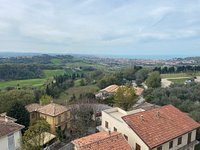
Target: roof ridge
[[102, 139]]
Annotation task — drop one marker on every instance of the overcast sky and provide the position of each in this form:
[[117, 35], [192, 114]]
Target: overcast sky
[[129, 27]]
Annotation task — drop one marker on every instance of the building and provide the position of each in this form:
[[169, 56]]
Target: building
[[102, 141], [10, 134], [163, 128], [56, 115], [112, 89]]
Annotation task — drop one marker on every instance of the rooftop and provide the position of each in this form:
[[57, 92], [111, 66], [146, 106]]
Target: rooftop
[[52, 109], [7, 126], [102, 141], [159, 125], [33, 107], [111, 88]]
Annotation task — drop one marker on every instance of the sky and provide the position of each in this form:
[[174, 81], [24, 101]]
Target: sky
[[106, 27]]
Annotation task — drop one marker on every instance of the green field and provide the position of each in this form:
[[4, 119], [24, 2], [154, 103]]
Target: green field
[[178, 81], [175, 75], [51, 73], [56, 61], [77, 91], [22, 83]]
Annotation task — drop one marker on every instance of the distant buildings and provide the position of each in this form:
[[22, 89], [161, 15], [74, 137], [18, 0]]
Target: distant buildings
[[10, 134], [56, 115]]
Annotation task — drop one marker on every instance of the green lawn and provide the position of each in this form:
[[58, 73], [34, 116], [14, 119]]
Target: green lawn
[[178, 81], [56, 61], [175, 75], [22, 83], [51, 73]]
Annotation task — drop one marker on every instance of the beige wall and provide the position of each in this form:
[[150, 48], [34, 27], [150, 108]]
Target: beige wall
[[123, 128], [184, 142]]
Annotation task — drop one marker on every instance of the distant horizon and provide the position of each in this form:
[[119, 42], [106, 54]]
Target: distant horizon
[[122, 56]]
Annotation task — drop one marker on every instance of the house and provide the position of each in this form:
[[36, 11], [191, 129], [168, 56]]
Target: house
[[160, 128], [102, 141], [10, 134], [56, 115], [112, 89]]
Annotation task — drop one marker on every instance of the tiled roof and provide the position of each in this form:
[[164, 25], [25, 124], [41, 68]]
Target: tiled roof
[[52, 109], [159, 125], [111, 88], [33, 107], [102, 141], [8, 127]]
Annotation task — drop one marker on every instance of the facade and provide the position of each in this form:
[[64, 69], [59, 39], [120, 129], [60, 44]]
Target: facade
[[56, 115], [10, 134], [102, 141], [164, 128]]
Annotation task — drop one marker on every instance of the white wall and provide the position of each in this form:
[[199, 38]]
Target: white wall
[[4, 141]]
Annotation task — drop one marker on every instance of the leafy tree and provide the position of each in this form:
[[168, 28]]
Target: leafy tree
[[19, 112], [125, 97], [45, 99], [154, 80], [33, 137], [141, 75], [82, 82]]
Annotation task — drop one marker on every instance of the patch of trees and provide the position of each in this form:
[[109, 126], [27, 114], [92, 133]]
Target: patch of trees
[[184, 97], [177, 69], [154, 80], [8, 98]]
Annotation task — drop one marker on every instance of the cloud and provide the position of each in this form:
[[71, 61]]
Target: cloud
[[93, 25]]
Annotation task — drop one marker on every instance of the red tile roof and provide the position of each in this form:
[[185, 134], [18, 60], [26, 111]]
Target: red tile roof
[[102, 141], [8, 127], [160, 125]]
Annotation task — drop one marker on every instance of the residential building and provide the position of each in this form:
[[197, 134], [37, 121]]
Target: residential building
[[10, 134], [163, 128], [102, 141], [56, 115]]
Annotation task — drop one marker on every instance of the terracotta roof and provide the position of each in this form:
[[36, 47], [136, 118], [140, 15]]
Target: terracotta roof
[[138, 91], [52, 109], [102, 141], [159, 125], [8, 127], [33, 107], [111, 88]]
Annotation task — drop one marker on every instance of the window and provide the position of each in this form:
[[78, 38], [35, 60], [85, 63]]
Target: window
[[11, 142], [59, 119], [170, 144], [106, 124], [32, 115], [126, 137], [179, 140], [137, 147], [115, 129], [189, 137], [159, 148]]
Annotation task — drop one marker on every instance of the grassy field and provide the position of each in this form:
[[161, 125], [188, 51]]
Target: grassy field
[[175, 75], [178, 81], [77, 91], [56, 61], [22, 83], [51, 73]]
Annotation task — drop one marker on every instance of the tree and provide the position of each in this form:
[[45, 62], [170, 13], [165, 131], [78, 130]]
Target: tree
[[154, 80], [125, 97], [45, 99], [34, 136], [141, 75], [19, 112]]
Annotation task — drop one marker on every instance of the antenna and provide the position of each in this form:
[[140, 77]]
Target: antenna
[[141, 117]]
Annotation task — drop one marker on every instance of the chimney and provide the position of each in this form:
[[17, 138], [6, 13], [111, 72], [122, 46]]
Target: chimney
[[141, 117], [6, 119], [158, 114]]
